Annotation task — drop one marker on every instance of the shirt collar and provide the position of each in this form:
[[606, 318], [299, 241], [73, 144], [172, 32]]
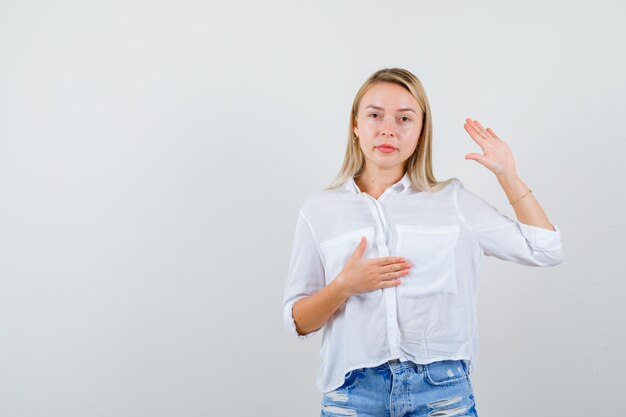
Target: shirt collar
[[404, 183]]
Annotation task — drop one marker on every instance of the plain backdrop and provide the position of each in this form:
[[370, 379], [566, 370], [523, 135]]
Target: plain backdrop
[[154, 155]]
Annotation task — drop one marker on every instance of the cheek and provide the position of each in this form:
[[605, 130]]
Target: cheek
[[409, 148], [412, 129], [407, 152], [368, 127]]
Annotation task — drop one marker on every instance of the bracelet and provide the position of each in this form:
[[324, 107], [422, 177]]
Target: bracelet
[[527, 192]]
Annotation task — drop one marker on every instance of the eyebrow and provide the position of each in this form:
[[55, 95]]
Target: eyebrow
[[380, 108]]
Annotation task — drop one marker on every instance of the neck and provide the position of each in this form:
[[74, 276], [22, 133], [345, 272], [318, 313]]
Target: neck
[[375, 181]]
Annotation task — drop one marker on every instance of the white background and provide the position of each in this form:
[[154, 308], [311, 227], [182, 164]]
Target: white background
[[154, 155]]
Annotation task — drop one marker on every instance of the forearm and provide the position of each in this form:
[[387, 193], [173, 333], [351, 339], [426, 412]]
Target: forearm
[[312, 312], [527, 210]]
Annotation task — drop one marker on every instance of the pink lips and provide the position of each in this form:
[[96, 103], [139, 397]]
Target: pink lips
[[386, 149]]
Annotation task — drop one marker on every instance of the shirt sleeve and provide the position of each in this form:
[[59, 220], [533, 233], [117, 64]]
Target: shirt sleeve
[[508, 239], [306, 272]]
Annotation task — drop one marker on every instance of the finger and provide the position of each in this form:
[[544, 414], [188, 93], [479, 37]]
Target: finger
[[474, 134], [389, 284], [387, 260], [360, 249], [492, 132], [391, 268], [396, 274], [482, 129], [476, 126], [476, 157]]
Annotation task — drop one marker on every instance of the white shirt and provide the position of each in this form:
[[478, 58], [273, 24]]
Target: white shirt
[[431, 315]]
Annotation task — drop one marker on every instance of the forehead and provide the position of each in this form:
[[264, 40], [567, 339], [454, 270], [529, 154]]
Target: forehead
[[389, 96]]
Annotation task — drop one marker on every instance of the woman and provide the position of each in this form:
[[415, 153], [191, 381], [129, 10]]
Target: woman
[[387, 259]]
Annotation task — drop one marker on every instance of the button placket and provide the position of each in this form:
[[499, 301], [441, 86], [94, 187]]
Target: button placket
[[393, 331]]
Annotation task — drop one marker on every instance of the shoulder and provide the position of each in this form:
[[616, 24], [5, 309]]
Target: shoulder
[[455, 184], [319, 201], [447, 189], [467, 200], [456, 187], [460, 195]]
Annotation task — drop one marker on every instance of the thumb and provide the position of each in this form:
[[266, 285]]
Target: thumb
[[476, 157], [360, 250]]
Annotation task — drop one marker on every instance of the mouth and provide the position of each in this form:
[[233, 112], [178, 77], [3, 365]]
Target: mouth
[[386, 148]]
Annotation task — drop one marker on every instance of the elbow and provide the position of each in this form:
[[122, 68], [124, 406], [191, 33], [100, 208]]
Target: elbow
[[297, 322], [558, 259], [290, 322], [303, 330], [549, 258], [301, 334]]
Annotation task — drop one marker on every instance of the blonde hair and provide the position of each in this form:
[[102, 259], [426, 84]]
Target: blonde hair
[[419, 164]]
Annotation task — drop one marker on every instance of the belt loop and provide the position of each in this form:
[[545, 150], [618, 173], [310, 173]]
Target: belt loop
[[465, 365]]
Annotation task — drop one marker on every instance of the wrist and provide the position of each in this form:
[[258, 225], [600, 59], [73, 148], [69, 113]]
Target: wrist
[[507, 177], [339, 287]]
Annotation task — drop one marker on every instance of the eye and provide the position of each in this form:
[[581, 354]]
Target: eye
[[373, 115], [405, 119]]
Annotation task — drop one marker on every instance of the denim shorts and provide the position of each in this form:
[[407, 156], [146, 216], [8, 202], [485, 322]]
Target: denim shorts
[[396, 389]]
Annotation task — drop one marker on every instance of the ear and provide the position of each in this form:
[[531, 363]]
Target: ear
[[356, 130]]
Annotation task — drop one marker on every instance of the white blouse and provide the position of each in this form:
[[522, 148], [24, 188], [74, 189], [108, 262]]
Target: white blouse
[[431, 315]]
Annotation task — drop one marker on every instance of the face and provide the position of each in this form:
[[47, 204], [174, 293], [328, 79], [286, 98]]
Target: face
[[388, 125]]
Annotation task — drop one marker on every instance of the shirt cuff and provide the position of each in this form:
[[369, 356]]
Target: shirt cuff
[[541, 239], [290, 324]]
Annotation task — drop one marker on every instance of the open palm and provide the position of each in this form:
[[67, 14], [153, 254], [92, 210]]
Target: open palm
[[496, 156]]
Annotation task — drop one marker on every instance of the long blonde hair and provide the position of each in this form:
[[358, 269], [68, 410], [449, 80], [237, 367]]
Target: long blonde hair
[[419, 164]]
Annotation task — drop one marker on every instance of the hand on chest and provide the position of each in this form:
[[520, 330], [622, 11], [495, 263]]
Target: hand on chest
[[428, 240]]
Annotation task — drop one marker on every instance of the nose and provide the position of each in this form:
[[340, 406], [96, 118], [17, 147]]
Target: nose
[[388, 128]]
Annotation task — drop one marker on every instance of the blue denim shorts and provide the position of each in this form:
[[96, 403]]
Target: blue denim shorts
[[398, 389]]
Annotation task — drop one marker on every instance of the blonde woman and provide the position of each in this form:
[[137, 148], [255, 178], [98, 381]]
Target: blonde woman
[[386, 260]]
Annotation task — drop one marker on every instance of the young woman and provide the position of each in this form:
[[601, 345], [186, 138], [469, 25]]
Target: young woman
[[387, 259]]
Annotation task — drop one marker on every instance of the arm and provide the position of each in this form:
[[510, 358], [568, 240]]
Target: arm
[[527, 208], [312, 312], [309, 303], [498, 158], [532, 240], [358, 275], [510, 240], [305, 276]]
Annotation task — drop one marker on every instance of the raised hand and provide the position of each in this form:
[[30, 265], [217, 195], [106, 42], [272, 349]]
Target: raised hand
[[496, 156], [361, 275]]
